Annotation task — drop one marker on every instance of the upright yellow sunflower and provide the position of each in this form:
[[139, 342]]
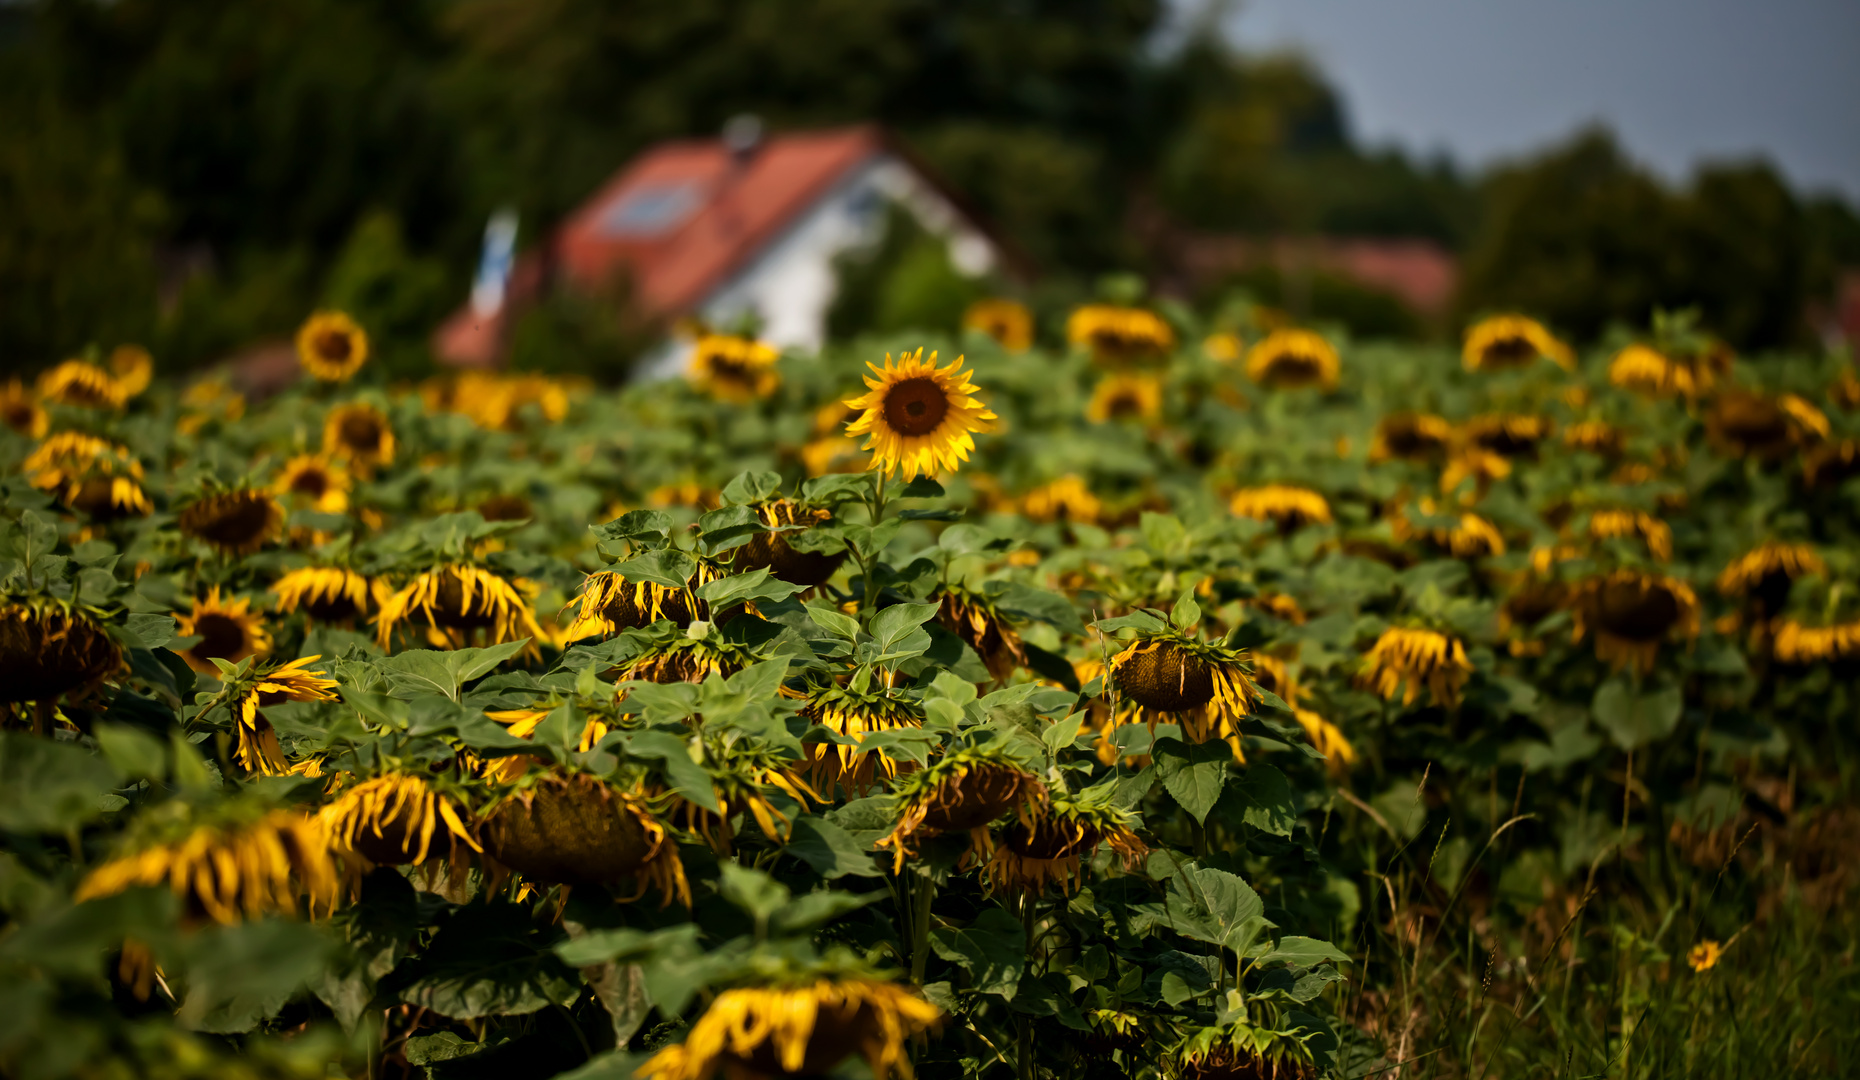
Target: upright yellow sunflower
[[1509, 342], [919, 418], [459, 602], [359, 433], [1007, 321], [800, 1028], [315, 483], [734, 368], [1126, 396], [75, 382], [1285, 505], [1288, 359], [132, 367], [1065, 499], [1404, 659], [240, 864], [1410, 436], [234, 523], [20, 410], [228, 630], [1595, 436], [331, 346], [326, 593], [92, 475], [258, 748], [1120, 335], [1630, 613]]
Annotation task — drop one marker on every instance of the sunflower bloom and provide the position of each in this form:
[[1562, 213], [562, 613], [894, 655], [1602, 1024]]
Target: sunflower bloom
[[314, 483], [48, 650], [1509, 342], [92, 475], [1007, 321], [1206, 688], [1288, 359], [392, 820], [1596, 437], [574, 829], [1509, 435], [1410, 436], [1126, 396], [1613, 523], [799, 1030], [1118, 336], [258, 748], [228, 630], [20, 410], [458, 601], [1065, 499], [228, 872], [1766, 571], [331, 346], [325, 593], [1404, 659], [854, 716], [1630, 613], [1704, 956], [1470, 537], [75, 382], [1223, 347], [1742, 423], [733, 368], [132, 367], [1284, 505], [963, 793], [1801, 645], [1030, 858], [919, 418], [359, 434], [608, 603]]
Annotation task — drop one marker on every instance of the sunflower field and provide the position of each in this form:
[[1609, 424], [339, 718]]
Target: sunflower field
[[1160, 698]]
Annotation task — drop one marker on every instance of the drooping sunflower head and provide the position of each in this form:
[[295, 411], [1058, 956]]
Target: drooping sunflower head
[[804, 1025], [258, 749], [1126, 396], [399, 818], [569, 828], [1118, 336], [228, 629], [1007, 321], [48, 650], [91, 475], [1240, 1050], [1510, 342], [315, 483], [1630, 613], [852, 713], [1509, 435], [505, 506], [964, 792], [20, 410], [608, 603], [358, 433], [330, 594], [673, 655], [208, 401], [1405, 658], [235, 523], [1596, 437], [458, 603], [331, 346], [973, 616], [919, 418], [238, 860], [1285, 505], [1831, 462], [1464, 536], [1532, 599], [733, 368], [76, 382], [1207, 688], [1844, 391], [1611, 523], [1801, 644], [132, 367], [789, 553], [1743, 423], [1065, 499], [1410, 436], [1765, 573], [1289, 358], [1048, 851]]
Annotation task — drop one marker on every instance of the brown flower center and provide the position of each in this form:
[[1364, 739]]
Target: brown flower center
[[236, 520], [311, 482], [1637, 610], [221, 636], [333, 345], [916, 406], [1510, 352], [360, 432], [1124, 406]]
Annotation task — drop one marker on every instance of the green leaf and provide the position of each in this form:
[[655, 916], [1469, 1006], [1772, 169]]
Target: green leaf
[[1186, 612], [830, 850], [1265, 796], [687, 777], [751, 487], [922, 487], [727, 592], [241, 975], [635, 525], [1304, 952], [1633, 719], [1027, 602], [153, 631], [1214, 906], [833, 622], [1059, 735], [1162, 533], [870, 541], [1192, 772], [669, 568], [819, 908], [1141, 621], [135, 753], [993, 949], [418, 672], [728, 528], [49, 787], [488, 960], [897, 629], [755, 893]]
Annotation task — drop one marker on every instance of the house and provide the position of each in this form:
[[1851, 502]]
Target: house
[[722, 228]]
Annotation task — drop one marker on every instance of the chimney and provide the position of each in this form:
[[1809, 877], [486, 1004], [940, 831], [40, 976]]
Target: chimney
[[742, 135]]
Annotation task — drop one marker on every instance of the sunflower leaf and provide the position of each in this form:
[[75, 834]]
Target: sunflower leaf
[[728, 528], [751, 487], [635, 525], [829, 849], [1193, 773], [760, 584], [993, 948], [922, 487], [668, 568], [687, 777], [49, 787], [1137, 620]]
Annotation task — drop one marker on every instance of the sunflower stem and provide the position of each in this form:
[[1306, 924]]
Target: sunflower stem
[[923, 891], [868, 565]]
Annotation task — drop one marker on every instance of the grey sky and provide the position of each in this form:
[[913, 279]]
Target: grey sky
[[1679, 80]]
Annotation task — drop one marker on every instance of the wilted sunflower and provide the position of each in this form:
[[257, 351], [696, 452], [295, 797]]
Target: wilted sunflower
[[331, 594], [1743, 423], [1468, 536], [1207, 688], [331, 347], [394, 819], [1030, 857], [358, 433], [1656, 373], [562, 828], [315, 483], [1288, 359], [132, 367], [1410, 436], [1120, 335], [963, 792], [1509, 435], [1534, 598], [75, 382], [742, 778], [1831, 462], [258, 749], [1406, 658], [854, 714], [608, 603], [675, 656], [1630, 613], [733, 368], [1800, 645], [1065, 499], [919, 418], [1240, 1051], [228, 630], [1595, 436], [1844, 391], [1765, 572], [1612, 523], [238, 861], [91, 475], [1509, 342], [20, 410], [801, 1028], [235, 523], [1223, 347], [505, 507], [1284, 505], [1126, 396], [1007, 321], [48, 650], [973, 616], [776, 549], [459, 602]]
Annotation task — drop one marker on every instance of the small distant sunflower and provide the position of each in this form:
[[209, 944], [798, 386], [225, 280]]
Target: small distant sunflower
[[1287, 506], [1031, 857], [1474, 463], [505, 507], [358, 433], [331, 346], [855, 714], [566, 828], [1656, 373], [228, 630], [1801, 645], [1844, 391], [1065, 499], [209, 401], [1126, 396], [608, 603], [832, 454], [132, 367], [394, 819], [48, 650], [235, 523], [1410, 436], [919, 418], [1743, 423], [1289, 359], [1509, 342], [777, 551], [1630, 613], [733, 368], [238, 861], [963, 792], [1597, 437], [1406, 658], [75, 382], [1118, 336], [1509, 435], [92, 475], [1469, 536], [1831, 462], [331, 594], [1223, 347], [1207, 688], [314, 482], [258, 748], [460, 602], [1704, 956], [1608, 524], [1007, 321], [804, 1027], [1533, 599], [20, 410]]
